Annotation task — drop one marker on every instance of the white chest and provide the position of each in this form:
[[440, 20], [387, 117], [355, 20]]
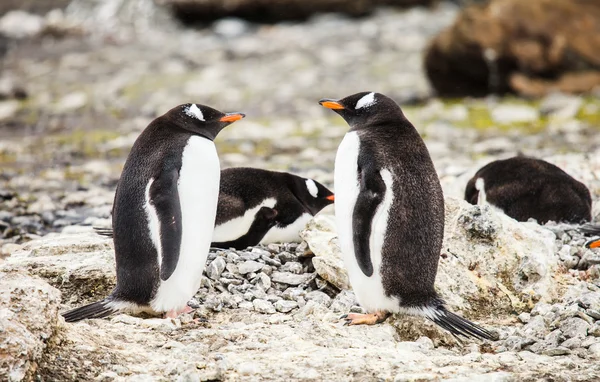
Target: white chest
[[198, 189], [368, 289]]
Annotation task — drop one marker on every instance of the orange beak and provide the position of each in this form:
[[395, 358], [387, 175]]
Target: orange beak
[[331, 197], [331, 104], [593, 244], [232, 117]]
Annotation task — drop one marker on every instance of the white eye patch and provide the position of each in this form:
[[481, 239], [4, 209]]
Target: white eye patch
[[312, 187], [194, 112], [366, 101]]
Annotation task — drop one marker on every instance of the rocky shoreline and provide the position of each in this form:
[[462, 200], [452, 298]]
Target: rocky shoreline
[[272, 313]]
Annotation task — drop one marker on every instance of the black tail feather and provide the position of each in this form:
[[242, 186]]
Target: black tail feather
[[97, 309], [590, 229], [108, 232], [457, 325]]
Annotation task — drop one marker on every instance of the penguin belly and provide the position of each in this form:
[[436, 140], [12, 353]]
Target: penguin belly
[[237, 227], [288, 234], [369, 290], [198, 189]]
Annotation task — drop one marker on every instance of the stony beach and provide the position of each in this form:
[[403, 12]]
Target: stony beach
[[96, 73]]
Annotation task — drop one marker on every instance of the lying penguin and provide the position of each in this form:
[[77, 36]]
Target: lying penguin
[[389, 209], [164, 213], [260, 206], [524, 187]]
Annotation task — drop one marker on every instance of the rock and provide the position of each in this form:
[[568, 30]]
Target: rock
[[561, 105], [595, 350], [343, 302], [290, 278], [319, 297], [263, 306], [230, 27], [515, 46], [8, 109], [20, 24], [524, 317], [215, 268], [575, 328], [320, 235], [263, 10], [70, 102], [81, 265], [553, 352], [285, 306], [28, 321], [249, 266], [492, 244], [292, 267], [508, 114]]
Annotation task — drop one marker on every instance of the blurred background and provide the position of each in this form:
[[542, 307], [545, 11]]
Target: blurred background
[[481, 80]]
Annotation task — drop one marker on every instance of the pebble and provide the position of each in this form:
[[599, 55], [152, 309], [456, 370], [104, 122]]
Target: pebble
[[285, 306], [556, 351], [289, 278], [263, 306], [595, 350], [215, 268], [249, 266], [574, 328], [319, 297]]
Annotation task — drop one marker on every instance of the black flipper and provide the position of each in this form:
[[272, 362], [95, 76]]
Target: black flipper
[[108, 232], [164, 196], [456, 324], [97, 309], [372, 191], [264, 220]]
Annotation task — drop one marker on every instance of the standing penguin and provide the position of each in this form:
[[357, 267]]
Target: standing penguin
[[390, 212], [262, 206], [164, 213]]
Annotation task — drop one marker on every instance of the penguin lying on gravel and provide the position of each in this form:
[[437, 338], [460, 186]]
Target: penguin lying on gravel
[[260, 207], [524, 187], [164, 213], [389, 209]]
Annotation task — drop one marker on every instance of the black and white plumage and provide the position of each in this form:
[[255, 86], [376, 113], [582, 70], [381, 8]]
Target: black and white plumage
[[390, 214], [524, 187], [163, 213], [260, 207]]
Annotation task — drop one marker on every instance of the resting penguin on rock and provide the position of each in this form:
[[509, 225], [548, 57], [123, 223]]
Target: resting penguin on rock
[[164, 214], [261, 207], [389, 209], [524, 187]]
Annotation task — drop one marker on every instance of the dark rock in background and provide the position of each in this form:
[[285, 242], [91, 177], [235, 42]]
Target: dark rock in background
[[530, 48], [268, 10]]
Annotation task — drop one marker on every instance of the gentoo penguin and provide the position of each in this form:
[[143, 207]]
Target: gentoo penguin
[[389, 209], [524, 187], [261, 207], [244, 191], [164, 213]]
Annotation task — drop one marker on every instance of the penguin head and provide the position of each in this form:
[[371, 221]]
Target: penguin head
[[364, 109], [201, 119], [312, 194]]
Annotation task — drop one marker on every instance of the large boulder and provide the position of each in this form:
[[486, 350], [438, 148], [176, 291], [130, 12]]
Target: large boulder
[[528, 47], [81, 265], [268, 10], [490, 263], [28, 319]]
